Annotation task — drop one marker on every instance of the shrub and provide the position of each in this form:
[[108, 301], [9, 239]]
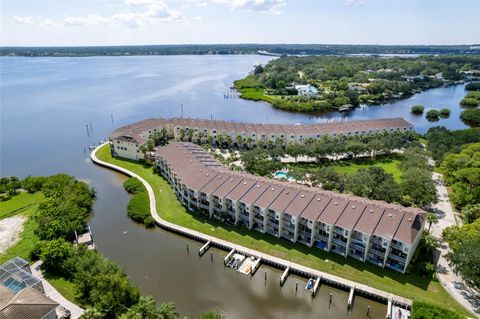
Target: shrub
[[417, 109], [421, 310], [469, 102], [138, 208], [474, 86], [133, 185], [149, 222], [433, 114], [471, 116], [444, 112]]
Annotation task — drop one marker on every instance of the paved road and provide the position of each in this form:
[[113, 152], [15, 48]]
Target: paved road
[[453, 283], [53, 294]]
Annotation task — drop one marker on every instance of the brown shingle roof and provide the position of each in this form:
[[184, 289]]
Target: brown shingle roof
[[269, 196]]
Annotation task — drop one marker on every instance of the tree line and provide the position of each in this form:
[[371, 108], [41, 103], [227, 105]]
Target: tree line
[[347, 80]]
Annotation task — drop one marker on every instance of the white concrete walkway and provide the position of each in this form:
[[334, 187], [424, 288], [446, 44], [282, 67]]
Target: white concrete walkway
[[247, 251], [53, 294], [452, 283]]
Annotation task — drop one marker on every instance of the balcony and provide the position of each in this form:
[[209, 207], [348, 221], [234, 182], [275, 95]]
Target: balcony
[[203, 206], [273, 232], [377, 252], [321, 238], [357, 245], [339, 242], [303, 233], [356, 255], [396, 246], [289, 227], [397, 257], [395, 266], [375, 261]]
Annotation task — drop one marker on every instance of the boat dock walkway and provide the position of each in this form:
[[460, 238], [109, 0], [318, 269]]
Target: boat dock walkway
[[276, 262]]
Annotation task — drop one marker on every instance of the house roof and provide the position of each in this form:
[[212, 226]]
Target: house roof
[[29, 303], [199, 170]]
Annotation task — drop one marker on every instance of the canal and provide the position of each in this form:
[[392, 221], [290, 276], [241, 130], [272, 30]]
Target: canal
[[46, 104]]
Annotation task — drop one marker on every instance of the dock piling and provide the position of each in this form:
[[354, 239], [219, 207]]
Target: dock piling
[[188, 249], [265, 276], [368, 311], [211, 256]]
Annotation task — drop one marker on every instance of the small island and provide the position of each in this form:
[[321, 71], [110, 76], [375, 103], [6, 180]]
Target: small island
[[327, 83]]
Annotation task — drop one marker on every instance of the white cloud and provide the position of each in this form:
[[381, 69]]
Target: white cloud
[[198, 18], [265, 6], [355, 2], [88, 20], [202, 4], [24, 20], [150, 12], [47, 23]]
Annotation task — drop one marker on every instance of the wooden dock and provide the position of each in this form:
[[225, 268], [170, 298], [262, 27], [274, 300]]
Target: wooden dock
[[306, 272], [204, 248], [284, 275]]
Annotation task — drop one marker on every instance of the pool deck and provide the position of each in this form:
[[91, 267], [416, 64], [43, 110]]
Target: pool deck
[[295, 268]]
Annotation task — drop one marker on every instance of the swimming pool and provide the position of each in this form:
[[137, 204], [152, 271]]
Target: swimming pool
[[281, 174]]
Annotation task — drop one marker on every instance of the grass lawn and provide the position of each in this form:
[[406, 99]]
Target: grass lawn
[[25, 204], [412, 286], [19, 203], [389, 164], [64, 286]]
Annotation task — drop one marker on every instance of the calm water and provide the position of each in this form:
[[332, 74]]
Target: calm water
[[45, 105]]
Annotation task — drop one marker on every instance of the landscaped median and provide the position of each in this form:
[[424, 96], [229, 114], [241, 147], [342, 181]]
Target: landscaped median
[[412, 286]]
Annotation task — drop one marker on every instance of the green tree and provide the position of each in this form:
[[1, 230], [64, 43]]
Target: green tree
[[144, 309], [54, 254], [464, 243], [373, 183], [417, 188], [471, 213], [168, 311], [92, 313]]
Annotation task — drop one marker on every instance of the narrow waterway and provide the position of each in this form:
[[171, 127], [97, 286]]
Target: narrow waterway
[[46, 104]]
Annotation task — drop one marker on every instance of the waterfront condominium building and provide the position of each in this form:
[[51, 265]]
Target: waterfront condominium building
[[127, 140], [373, 231]]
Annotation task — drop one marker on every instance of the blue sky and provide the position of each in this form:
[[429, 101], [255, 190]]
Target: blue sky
[[123, 22]]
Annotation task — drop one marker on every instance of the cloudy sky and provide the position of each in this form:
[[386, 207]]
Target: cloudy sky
[[119, 22]]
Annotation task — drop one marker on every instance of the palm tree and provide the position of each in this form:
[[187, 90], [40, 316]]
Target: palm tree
[[239, 140], [168, 311], [228, 141], [210, 139], [182, 134], [164, 133], [190, 134], [431, 243], [249, 141], [200, 137], [144, 309], [432, 218]]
